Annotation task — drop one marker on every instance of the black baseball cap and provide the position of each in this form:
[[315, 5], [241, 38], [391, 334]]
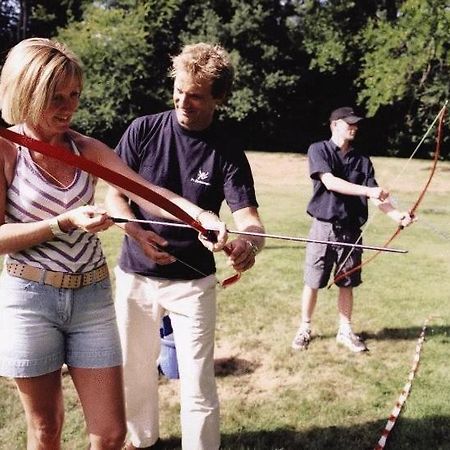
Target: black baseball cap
[[346, 114]]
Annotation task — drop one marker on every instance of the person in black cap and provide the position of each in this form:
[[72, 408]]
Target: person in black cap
[[342, 179]]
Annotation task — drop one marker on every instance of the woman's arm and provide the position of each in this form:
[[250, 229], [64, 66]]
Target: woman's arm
[[98, 152], [15, 237]]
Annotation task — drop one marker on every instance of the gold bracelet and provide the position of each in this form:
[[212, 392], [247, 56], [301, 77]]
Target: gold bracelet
[[55, 228]]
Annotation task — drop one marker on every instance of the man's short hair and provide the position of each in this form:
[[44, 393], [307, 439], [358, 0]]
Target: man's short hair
[[206, 62]]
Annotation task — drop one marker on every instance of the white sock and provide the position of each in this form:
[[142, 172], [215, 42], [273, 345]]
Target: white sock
[[305, 325], [345, 327]]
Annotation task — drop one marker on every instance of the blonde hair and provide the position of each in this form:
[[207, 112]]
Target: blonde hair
[[30, 75], [206, 62]]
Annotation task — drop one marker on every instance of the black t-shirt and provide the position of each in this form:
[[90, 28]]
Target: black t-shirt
[[354, 167], [204, 167]]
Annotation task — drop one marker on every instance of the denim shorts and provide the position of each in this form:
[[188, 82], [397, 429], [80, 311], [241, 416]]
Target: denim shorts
[[321, 258], [43, 327]]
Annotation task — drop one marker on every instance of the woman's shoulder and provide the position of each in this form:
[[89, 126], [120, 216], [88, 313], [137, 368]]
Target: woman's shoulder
[[8, 150], [8, 157], [87, 145], [79, 139]]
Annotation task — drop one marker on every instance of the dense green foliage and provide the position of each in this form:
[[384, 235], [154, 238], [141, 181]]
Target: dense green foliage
[[296, 60], [269, 65], [112, 45], [417, 47]]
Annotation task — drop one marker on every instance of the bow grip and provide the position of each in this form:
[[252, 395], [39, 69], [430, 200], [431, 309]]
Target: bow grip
[[210, 235], [411, 215]]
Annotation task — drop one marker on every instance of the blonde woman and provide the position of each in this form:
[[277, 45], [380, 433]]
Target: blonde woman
[[56, 306]]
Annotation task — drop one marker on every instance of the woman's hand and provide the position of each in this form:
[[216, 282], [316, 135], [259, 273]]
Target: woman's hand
[[90, 218]]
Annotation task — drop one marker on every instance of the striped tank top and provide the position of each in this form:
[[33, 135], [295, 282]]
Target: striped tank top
[[31, 198]]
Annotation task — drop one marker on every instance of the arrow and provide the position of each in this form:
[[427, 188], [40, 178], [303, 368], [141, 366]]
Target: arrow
[[270, 236]]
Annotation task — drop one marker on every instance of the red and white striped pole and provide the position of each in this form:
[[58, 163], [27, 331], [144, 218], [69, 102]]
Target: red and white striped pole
[[405, 392]]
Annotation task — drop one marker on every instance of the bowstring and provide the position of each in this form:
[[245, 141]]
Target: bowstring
[[393, 183]]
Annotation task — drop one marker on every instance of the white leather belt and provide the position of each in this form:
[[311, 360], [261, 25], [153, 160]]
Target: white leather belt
[[58, 279]]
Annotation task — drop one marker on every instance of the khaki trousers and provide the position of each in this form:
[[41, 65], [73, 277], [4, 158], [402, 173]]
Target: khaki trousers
[[140, 304]]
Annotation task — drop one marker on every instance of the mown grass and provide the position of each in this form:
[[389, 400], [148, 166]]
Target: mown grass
[[275, 398]]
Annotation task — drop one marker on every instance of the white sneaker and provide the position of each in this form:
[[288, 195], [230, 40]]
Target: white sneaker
[[301, 339], [351, 341]]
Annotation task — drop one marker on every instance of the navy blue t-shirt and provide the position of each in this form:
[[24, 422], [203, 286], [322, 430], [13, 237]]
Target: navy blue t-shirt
[[204, 167], [354, 167]]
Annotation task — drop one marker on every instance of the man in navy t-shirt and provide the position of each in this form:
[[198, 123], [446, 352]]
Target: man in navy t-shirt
[[188, 152], [343, 179]]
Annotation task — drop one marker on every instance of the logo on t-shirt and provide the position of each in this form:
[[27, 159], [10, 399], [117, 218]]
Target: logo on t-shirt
[[201, 177]]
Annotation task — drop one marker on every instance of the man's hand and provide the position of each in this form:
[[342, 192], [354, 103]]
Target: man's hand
[[377, 193], [406, 219], [241, 254], [151, 243], [211, 221]]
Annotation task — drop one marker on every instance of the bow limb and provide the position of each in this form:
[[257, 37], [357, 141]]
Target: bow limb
[[62, 154], [413, 209], [437, 153], [115, 178]]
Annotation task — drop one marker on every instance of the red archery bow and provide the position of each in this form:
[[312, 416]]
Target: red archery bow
[[62, 154], [437, 152]]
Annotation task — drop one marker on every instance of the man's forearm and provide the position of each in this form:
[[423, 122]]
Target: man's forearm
[[336, 184]]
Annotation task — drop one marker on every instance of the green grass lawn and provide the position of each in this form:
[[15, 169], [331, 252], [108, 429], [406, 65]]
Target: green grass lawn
[[275, 398]]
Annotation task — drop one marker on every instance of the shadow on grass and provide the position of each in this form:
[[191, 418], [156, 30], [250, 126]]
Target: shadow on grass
[[406, 333], [429, 433], [400, 334], [224, 367]]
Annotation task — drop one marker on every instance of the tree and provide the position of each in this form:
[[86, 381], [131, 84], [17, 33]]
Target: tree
[[163, 40], [125, 46], [20, 19], [111, 42], [406, 65], [389, 57], [268, 65], [295, 61], [9, 24], [330, 31], [128, 57]]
